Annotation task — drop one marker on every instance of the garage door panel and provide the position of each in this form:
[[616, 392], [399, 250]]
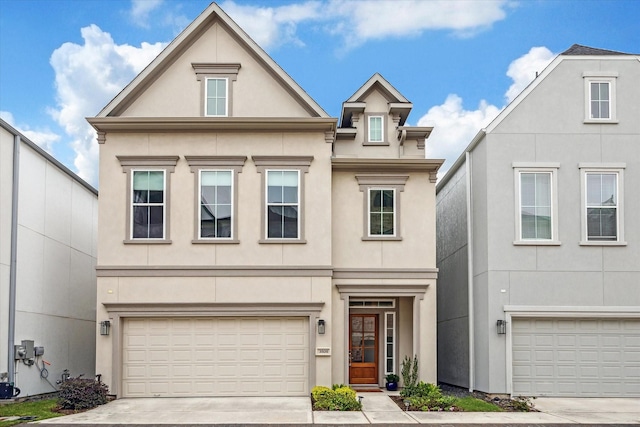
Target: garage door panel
[[588, 357], [215, 356]]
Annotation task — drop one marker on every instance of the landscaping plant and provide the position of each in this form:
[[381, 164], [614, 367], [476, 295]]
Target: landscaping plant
[[409, 371], [80, 393], [337, 398]]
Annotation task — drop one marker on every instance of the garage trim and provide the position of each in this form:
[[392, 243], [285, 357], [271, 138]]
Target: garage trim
[[588, 312], [119, 311]]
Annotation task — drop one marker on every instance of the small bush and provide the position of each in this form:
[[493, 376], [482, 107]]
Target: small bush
[[340, 398], [409, 371], [79, 393]]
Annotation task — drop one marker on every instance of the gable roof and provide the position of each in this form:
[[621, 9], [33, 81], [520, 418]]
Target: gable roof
[[212, 14], [397, 102], [578, 49]]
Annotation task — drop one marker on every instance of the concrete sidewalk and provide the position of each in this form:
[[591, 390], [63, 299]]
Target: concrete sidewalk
[[378, 408]]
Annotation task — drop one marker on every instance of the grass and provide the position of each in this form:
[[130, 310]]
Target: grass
[[42, 409], [471, 404]]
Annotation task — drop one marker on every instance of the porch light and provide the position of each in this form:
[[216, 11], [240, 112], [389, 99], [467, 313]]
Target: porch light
[[501, 327], [105, 327], [321, 327]]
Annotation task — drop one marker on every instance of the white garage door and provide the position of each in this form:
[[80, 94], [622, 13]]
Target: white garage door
[[220, 356], [576, 357]]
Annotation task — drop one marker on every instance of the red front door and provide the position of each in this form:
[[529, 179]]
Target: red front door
[[363, 349]]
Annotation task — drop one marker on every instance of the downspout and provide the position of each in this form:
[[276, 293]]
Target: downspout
[[472, 367], [13, 260]]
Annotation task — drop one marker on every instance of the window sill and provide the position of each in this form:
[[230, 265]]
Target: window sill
[[601, 121], [537, 243], [282, 241], [215, 241], [380, 143], [381, 238], [147, 242], [602, 243]]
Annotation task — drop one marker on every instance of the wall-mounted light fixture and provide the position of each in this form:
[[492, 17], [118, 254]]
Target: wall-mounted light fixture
[[321, 327], [105, 327], [501, 327]]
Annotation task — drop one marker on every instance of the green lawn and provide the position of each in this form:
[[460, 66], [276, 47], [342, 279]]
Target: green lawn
[[42, 409], [471, 404]]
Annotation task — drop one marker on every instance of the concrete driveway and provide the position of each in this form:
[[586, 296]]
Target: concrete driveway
[[377, 409]]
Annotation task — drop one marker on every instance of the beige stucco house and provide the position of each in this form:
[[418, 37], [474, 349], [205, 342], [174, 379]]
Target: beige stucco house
[[249, 244]]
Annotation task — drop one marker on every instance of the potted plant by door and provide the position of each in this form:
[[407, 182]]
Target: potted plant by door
[[392, 382]]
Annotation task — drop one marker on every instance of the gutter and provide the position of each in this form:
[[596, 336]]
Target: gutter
[[13, 260]]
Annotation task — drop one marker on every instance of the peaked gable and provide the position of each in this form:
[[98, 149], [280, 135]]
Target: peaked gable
[[213, 21]]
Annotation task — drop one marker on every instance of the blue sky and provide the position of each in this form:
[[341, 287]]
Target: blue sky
[[459, 62]]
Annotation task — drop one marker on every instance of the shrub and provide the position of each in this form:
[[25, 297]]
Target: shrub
[[392, 378], [79, 393], [339, 398], [428, 397], [409, 371]]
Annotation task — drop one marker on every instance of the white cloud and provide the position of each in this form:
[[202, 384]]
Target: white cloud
[[273, 26], [523, 70], [140, 10], [376, 19], [45, 139], [455, 127], [88, 76]]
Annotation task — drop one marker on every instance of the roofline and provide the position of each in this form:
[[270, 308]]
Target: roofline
[[377, 77], [47, 156], [130, 92], [461, 159]]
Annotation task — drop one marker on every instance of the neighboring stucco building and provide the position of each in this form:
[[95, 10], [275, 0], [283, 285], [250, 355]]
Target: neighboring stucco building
[[250, 245], [537, 228], [48, 233]]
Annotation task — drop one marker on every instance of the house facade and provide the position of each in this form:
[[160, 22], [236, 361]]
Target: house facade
[[248, 243], [538, 247], [48, 229]]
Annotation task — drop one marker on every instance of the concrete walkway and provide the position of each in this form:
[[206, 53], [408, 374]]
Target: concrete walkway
[[378, 408]]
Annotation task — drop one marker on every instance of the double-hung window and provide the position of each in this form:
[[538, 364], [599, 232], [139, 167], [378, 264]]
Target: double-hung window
[[283, 204], [602, 204], [382, 212], [381, 205], [375, 129], [148, 188], [216, 179], [282, 197], [600, 97], [536, 203], [216, 97]]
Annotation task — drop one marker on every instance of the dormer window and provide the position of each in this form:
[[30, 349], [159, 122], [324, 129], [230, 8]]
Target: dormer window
[[216, 88], [375, 129]]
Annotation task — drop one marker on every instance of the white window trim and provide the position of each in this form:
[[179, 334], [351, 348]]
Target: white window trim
[[216, 163], [616, 168], [393, 342], [368, 182], [383, 136], [551, 168], [133, 204], [600, 77], [395, 211], [233, 204], [267, 204], [226, 98], [206, 71]]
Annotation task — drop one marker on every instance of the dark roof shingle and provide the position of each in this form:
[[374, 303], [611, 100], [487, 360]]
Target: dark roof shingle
[[578, 49]]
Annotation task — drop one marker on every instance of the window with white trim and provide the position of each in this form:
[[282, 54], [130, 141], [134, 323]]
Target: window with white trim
[[390, 342], [376, 129], [602, 197], [148, 185], [216, 179], [536, 203], [382, 208], [283, 203], [600, 97], [282, 197], [216, 97]]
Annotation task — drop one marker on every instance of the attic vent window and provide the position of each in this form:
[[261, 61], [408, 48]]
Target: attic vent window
[[216, 88]]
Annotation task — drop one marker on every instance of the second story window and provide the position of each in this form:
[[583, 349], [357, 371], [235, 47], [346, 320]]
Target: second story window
[[282, 204], [536, 203], [602, 204], [148, 204], [382, 212], [216, 203], [216, 97]]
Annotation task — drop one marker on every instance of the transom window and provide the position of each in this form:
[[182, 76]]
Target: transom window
[[148, 204], [602, 201], [382, 212], [216, 97], [282, 204], [216, 203], [376, 130]]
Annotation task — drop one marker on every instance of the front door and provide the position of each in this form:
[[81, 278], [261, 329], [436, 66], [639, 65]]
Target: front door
[[363, 349]]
